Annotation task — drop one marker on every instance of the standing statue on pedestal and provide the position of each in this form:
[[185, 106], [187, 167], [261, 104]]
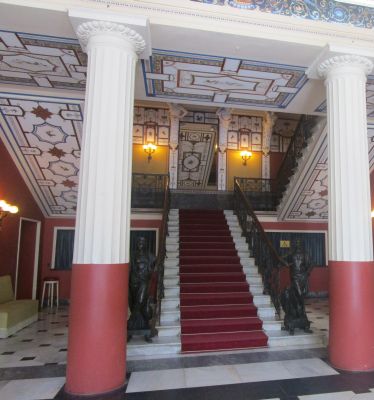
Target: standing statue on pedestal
[[292, 298], [141, 269]]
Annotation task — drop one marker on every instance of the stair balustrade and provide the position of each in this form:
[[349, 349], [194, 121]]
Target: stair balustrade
[[156, 286], [299, 141], [261, 249]]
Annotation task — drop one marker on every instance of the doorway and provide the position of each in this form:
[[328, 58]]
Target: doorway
[[27, 258]]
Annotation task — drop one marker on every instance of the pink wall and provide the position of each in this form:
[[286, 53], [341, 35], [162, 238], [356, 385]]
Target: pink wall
[[65, 276], [14, 190]]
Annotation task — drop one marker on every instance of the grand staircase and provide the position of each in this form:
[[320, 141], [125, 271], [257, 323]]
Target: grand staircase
[[216, 305], [213, 296]]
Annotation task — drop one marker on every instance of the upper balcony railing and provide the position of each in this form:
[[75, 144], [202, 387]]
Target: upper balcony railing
[[263, 193], [148, 190]]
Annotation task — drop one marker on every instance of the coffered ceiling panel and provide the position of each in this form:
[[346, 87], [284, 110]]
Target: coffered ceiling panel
[[41, 61], [204, 78]]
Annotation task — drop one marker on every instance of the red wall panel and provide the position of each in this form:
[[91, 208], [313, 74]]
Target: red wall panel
[[14, 190]]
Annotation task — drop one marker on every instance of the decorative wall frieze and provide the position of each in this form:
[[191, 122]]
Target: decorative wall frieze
[[327, 11]]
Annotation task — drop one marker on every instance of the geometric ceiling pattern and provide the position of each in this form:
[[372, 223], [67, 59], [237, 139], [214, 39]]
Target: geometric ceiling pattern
[[213, 79], [42, 61], [43, 138], [317, 10]]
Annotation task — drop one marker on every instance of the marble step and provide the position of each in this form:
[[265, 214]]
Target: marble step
[[271, 324], [174, 329], [169, 329], [172, 247], [171, 281], [169, 316], [172, 240], [160, 345], [173, 222], [261, 300], [171, 272], [172, 291], [173, 302], [264, 311], [172, 254], [282, 338]]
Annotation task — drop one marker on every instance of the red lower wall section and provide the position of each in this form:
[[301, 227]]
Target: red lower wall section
[[319, 277], [65, 276], [13, 190]]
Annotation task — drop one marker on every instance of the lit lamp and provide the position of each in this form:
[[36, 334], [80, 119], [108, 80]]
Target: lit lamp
[[372, 214], [246, 155], [5, 209], [149, 148]]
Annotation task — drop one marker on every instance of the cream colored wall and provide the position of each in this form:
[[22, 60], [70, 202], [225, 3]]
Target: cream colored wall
[[158, 165], [235, 167]]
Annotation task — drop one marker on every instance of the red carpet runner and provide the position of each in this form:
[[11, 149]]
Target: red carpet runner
[[217, 311]]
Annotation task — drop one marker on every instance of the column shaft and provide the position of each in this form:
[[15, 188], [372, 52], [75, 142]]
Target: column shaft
[[351, 268], [99, 293]]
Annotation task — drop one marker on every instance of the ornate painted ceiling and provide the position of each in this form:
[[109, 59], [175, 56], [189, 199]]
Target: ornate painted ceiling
[[185, 76], [43, 138], [41, 61]]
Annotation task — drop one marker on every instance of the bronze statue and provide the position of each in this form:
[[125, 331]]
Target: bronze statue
[[292, 298], [141, 269]]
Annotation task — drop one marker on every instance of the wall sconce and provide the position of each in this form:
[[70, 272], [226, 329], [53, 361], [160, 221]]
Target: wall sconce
[[5, 209], [372, 214], [149, 148], [245, 155]]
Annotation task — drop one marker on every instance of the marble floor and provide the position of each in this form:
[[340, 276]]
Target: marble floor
[[33, 363]]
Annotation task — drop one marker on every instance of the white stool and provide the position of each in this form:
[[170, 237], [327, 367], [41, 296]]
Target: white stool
[[50, 283]]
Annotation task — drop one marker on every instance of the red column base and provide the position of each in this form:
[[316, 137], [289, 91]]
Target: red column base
[[96, 361], [351, 336]]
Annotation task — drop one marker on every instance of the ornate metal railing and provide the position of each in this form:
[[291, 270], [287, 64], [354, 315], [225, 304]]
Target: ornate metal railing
[[148, 190], [156, 286], [262, 193], [298, 142], [261, 249]]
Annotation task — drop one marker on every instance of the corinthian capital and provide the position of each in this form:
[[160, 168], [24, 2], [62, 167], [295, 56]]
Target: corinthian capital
[[86, 30], [349, 60]]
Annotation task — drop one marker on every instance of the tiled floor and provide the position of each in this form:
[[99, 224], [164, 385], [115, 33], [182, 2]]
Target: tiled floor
[[32, 367]]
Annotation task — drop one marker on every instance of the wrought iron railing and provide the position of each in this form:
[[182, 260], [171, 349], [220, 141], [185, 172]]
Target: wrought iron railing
[[263, 193], [261, 249], [156, 287], [299, 140], [148, 190]]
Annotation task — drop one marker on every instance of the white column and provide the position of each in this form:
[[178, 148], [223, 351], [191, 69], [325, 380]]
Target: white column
[[104, 201], [350, 232], [177, 112], [224, 115], [267, 130]]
